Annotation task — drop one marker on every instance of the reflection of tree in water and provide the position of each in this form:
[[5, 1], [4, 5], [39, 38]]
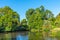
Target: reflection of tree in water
[[1, 36], [36, 36], [23, 33], [14, 36], [5, 36], [25, 36], [58, 38]]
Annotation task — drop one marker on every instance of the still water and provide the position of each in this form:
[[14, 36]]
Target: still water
[[26, 36]]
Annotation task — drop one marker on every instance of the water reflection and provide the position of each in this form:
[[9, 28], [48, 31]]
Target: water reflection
[[14, 36], [22, 36], [40, 36], [26, 36], [35, 36]]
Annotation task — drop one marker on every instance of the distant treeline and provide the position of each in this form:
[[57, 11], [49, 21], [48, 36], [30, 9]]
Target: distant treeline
[[36, 19]]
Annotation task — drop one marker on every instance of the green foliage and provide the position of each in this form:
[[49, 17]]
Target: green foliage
[[36, 18], [39, 19], [58, 34], [55, 33], [23, 25], [57, 22], [9, 19]]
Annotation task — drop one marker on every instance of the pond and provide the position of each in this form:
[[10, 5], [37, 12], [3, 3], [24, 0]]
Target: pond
[[25, 36]]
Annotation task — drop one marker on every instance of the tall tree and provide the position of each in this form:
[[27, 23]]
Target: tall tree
[[9, 19], [36, 18]]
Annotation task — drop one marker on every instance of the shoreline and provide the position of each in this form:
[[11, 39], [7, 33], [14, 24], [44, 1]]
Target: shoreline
[[13, 31]]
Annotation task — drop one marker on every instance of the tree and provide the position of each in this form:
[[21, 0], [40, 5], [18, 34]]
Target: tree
[[9, 19], [29, 13], [34, 18], [49, 14], [38, 17], [23, 25], [57, 22]]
